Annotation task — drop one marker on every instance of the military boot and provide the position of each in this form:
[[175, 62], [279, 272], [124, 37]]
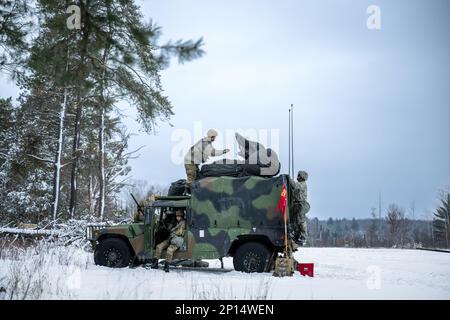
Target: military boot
[[166, 267], [154, 264]]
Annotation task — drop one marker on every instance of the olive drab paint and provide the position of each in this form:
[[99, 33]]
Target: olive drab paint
[[220, 212]]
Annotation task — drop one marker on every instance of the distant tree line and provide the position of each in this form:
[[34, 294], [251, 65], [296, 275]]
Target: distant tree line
[[393, 229], [63, 147]]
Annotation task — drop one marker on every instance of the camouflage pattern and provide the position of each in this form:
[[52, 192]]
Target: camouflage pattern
[[191, 173], [223, 208], [303, 175], [175, 241], [300, 190], [284, 267], [300, 204], [201, 151], [220, 210], [171, 248]]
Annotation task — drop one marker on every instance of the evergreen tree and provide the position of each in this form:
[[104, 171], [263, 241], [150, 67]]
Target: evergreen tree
[[15, 23], [441, 219], [28, 172], [74, 80], [372, 230]]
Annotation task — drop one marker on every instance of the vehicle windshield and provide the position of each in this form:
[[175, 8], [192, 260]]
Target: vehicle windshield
[[153, 212]]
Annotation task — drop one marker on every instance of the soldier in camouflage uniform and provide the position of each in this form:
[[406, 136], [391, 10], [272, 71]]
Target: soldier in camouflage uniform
[[198, 154], [300, 206], [139, 215], [172, 244]]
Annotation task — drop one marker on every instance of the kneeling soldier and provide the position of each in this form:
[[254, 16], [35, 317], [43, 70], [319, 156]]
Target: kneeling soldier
[[172, 244]]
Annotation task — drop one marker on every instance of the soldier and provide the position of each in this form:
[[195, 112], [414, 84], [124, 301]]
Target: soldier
[[139, 215], [172, 244], [198, 154], [301, 205]]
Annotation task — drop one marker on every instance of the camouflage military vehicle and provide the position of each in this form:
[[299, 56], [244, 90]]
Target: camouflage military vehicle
[[225, 216]]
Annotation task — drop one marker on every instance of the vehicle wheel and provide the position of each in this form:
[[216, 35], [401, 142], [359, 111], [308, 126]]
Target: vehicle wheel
[[251, 257], [113, 253]]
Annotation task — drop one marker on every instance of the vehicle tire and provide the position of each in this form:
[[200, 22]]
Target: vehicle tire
[[251, 257], [113, 253]]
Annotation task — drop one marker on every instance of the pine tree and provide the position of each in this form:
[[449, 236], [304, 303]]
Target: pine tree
[[372, 230], [124, 63], [15, 23], [120, 55], [68, 138], [7, 147], [28, 184], [441, 219]]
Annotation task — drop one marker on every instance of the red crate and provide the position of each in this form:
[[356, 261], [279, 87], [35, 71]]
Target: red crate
[[306, 269]]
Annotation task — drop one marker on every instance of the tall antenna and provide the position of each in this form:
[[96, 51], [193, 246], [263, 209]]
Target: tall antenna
[[292, 139], [289, 145]]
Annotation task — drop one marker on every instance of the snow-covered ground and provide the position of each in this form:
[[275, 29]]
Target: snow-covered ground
[[340, 273]]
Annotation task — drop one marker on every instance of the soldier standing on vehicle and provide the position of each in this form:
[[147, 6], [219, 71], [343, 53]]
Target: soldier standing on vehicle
[[172, 244], [198, 154]]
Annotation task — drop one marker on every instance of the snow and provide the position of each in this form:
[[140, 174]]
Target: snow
[[340, 273], [29, 231]]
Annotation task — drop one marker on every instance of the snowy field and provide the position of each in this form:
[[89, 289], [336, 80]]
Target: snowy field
[[340, 273]]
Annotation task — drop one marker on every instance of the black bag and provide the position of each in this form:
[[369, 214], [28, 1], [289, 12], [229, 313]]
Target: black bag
[[217, 170], [177, 188]]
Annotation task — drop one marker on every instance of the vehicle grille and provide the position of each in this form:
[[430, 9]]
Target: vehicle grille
[[90, 229]]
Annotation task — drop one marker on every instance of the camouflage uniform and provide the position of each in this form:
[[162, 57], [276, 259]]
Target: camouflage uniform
[[198, 154], [139, 216], [172, 244], [191, 173], [300, 206]]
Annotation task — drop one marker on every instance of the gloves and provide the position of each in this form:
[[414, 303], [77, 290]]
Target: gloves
[[226, 151]]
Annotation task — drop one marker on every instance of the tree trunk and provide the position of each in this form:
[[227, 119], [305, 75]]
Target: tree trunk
[[74, 173], [91, 191], [102, 163], [59, 154], [102, 107], [77, 131], [58, 158]]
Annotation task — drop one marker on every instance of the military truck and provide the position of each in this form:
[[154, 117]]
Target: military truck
[[225, 217]]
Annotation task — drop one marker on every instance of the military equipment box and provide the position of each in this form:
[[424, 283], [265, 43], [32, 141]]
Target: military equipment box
[[225, 216]]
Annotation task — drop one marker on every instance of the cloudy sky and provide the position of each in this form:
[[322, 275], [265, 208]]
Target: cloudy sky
[[371, 106]]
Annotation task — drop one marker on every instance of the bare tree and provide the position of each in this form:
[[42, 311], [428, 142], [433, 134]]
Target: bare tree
[[399, 226]]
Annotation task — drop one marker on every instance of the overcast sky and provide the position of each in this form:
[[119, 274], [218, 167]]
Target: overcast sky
[[371, 106]]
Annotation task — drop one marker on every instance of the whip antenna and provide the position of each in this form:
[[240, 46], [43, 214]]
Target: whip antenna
[[289, 144], [292, 139]]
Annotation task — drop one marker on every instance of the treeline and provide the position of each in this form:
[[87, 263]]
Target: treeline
[[392, 229], [63, 147]]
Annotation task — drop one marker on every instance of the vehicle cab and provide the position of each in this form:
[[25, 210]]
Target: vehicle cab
[[158, 220]]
